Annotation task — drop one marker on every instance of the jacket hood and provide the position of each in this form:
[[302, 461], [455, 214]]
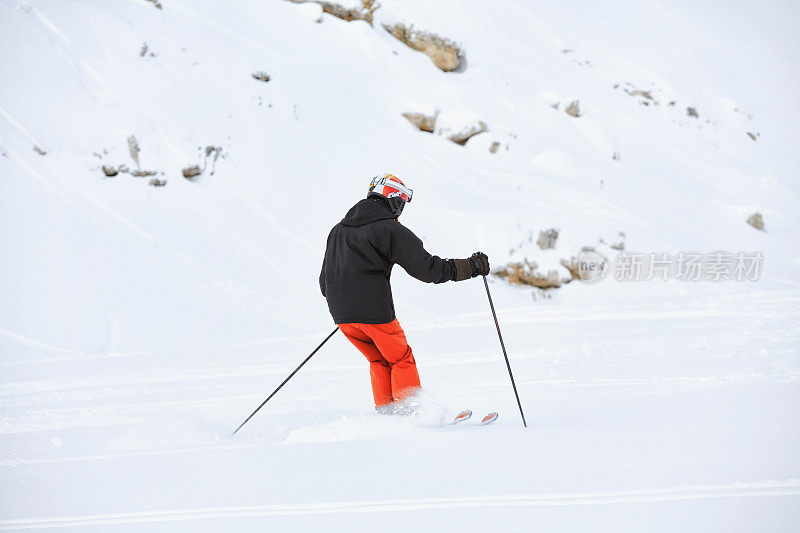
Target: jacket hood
[[366, 211]]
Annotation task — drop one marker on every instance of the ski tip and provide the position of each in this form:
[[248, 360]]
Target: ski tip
[[488, 419], [463, 415]]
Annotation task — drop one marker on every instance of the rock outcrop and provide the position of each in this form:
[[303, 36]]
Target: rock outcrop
[[525, 273], [461, 137], [363, 12], [444, 53], [547, 239], [422, 121]]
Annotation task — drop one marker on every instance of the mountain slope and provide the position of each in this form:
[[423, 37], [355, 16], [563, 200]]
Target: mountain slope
[[140, 324]]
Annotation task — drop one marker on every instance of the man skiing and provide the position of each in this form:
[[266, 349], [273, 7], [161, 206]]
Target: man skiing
[[361, 251]]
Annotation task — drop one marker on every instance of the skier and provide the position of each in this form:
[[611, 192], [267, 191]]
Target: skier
[[361, 251]]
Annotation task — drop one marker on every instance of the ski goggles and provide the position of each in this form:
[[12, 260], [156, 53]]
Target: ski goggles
[[399, 189]]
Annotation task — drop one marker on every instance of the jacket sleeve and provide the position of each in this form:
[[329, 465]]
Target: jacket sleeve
[[407, 251]]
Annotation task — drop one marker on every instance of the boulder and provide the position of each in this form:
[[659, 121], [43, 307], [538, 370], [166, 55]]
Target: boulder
[[574, 109], [191, 172], [757, 221]]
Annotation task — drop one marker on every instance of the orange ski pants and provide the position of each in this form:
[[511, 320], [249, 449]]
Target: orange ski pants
[[391, 363]]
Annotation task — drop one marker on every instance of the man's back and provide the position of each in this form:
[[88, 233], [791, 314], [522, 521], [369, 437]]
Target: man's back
[[360, 253]]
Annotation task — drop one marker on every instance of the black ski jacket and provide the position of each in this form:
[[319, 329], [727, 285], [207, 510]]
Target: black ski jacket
[[360, 254]]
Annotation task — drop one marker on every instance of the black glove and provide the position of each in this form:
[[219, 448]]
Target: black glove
[[480, 264]]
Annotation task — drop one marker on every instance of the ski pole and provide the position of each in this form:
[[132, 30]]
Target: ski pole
[[503, 346], [287, 379]]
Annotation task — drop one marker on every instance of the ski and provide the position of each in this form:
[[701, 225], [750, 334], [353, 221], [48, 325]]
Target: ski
[[488, 419], [463, 415], [467, 414]]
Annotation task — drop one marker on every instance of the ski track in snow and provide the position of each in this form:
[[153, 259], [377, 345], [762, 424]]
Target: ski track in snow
[[109, 401], [790, 487]]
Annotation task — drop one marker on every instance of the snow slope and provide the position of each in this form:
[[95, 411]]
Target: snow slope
[[140, 325]]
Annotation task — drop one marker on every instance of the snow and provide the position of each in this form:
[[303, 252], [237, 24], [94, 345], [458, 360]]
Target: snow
[[140, 325]]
